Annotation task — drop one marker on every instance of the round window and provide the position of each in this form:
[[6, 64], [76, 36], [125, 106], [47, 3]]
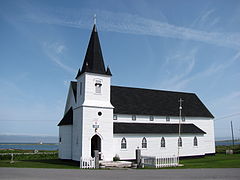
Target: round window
[[99, 113]]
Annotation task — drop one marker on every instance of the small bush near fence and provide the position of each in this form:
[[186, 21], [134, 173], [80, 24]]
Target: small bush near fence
[[29, 156]]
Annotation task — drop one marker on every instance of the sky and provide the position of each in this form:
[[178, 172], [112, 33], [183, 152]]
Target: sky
[[189, 46]]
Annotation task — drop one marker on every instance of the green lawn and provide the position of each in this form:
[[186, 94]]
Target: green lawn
[[217, 161], [45, 163]]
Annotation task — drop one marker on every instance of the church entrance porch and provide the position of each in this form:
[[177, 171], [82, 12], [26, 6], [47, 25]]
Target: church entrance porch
[[95, 145]]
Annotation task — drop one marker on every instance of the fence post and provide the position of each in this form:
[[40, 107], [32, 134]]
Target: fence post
[[96, 156], [81, 162], [138, 158], [12, 161]]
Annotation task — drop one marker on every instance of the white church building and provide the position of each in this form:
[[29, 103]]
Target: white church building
[[117, 120]]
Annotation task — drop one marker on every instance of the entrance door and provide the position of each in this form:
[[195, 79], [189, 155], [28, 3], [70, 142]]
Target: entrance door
[[95, 144]]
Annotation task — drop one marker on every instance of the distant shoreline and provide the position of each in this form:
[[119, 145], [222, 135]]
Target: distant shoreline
[[28, 144], [236, 140]]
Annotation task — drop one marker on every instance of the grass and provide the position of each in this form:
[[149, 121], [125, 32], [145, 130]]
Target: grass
[[217, 161], [41, 163]]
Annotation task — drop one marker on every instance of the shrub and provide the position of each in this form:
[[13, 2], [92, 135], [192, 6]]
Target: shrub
[[116, 158]]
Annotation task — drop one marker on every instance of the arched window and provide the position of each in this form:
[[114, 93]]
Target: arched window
[[123, 143], [144, 143], [195, 143], [163, 142], [180, 142]]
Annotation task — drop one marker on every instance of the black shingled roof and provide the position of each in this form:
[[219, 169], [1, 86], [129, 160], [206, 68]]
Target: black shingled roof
[[68, 118], [154, 128], [139, 101]]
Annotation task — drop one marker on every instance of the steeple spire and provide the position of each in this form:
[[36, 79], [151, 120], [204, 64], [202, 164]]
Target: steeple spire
[[93, 61]]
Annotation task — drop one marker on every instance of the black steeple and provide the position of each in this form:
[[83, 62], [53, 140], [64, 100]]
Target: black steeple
[[93, 61]]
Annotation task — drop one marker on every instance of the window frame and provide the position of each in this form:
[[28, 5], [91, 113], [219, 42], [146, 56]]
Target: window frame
[[123, 143], [180, 142], [163, 142], [195, 141], [144, 143]]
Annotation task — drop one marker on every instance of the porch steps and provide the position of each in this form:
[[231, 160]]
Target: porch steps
[[116, 164]]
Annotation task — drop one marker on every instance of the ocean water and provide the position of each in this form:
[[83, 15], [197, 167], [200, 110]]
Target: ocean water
[[29, 146], [225, 143]]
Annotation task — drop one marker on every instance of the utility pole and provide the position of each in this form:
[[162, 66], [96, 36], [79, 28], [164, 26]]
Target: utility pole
[[232, 134], [179, 125]]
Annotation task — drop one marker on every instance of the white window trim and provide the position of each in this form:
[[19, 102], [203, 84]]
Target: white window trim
[[123, 149]]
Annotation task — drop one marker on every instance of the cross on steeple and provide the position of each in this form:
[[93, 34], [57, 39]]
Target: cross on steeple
[[95, 19], [180, 103]]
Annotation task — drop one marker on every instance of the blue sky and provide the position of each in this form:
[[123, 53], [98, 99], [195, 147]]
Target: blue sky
[[190, 46]]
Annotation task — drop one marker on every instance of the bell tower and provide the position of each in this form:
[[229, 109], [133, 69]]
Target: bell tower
[[93, 115]]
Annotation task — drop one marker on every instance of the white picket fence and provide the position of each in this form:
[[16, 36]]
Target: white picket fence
[[87, 163], [158, 162]]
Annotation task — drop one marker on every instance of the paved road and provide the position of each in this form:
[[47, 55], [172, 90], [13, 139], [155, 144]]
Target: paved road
[[65, 174]]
